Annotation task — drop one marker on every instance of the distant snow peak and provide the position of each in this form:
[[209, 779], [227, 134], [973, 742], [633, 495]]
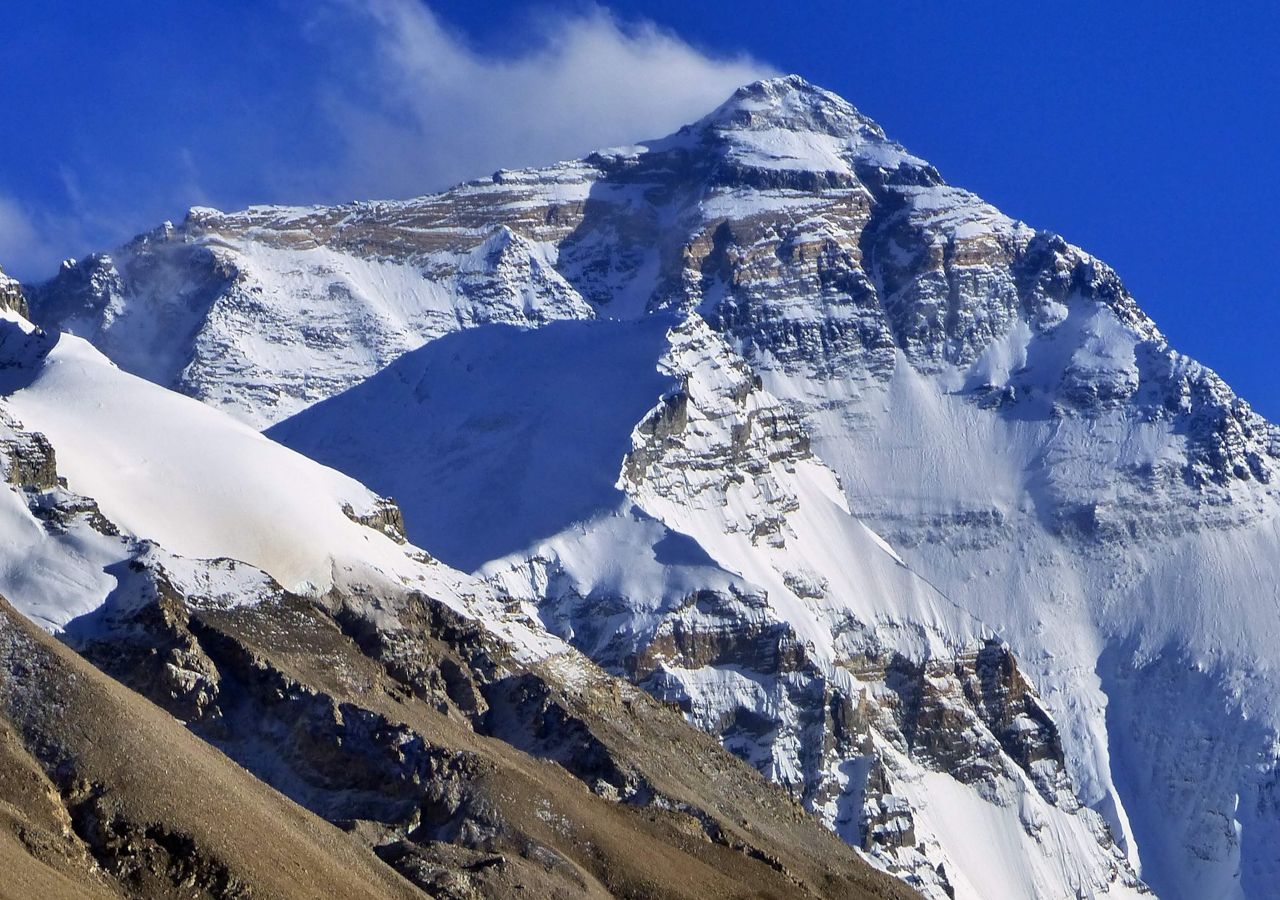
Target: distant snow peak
[[790, 102], [788, 125]]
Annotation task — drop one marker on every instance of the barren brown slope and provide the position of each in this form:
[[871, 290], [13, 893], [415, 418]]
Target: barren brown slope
[[471, 776], [102, 793], [615, 781], [39, 853], [163, 813]]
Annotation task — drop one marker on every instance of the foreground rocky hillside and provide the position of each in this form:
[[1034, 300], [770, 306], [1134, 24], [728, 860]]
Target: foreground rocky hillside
[[92, 807], [908, 503]]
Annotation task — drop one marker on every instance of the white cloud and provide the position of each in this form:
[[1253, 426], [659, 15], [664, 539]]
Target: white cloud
[[35, 238], [23, 247], [419, 109]]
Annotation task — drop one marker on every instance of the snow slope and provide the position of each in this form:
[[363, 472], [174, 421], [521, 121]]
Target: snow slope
[[491, 439], [203, 308], [221, 506]]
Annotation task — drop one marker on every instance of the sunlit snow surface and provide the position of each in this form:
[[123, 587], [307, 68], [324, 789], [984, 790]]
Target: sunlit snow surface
[[203, 487]]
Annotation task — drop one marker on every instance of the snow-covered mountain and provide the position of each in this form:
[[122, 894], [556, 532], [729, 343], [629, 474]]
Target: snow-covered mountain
[[768, 418]]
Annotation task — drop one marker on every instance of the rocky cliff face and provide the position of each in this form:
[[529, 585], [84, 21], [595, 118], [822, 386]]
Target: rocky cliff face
[[417, 738], [843, 685], [847, 332], [11, 295]]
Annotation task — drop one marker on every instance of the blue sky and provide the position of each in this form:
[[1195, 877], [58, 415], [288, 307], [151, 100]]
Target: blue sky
[[1145, 132]]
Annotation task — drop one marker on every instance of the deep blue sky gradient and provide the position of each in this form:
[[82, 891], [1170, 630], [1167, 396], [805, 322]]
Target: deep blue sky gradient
[[1145, 132]]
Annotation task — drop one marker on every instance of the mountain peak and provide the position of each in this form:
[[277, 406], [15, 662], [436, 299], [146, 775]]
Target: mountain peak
[[788, 125], [790, 102]]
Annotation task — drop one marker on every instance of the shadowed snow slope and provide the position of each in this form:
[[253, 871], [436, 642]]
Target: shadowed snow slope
[[494, 438]]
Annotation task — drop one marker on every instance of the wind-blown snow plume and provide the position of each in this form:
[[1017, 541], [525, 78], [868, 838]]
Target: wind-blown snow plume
[[422, 108], [436, 110]]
